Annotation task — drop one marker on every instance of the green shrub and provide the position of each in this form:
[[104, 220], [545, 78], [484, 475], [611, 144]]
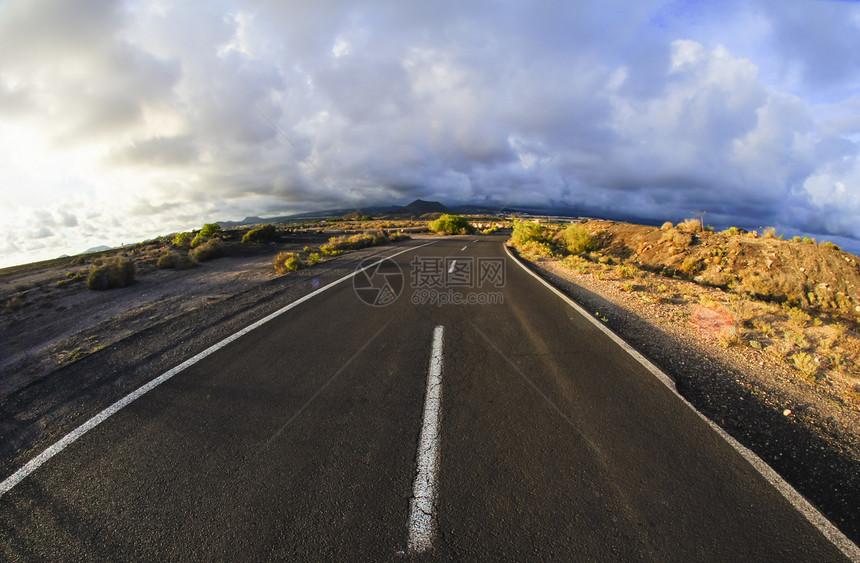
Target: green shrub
[[287, 262], [769, 232], [830, 245], [578, 240], [209, 250], [183, 239], [666, 226], [797, 239], [118, 271], [209, 230], [313, 259], [451, 225], [807, 240], [262, 234], [526, 231]]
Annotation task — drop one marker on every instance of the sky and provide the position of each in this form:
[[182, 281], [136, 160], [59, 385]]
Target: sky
[[124, 120]]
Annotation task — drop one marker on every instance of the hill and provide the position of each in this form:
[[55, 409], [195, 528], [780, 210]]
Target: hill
[[420, 207], [800, 274]]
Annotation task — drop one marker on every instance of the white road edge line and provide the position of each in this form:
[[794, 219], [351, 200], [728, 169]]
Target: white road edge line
[[825, 526], [451, 268], [422, 519], [60, 445]]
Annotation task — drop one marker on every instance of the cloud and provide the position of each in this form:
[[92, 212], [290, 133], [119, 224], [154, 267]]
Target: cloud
[[818, 41], [159, 151], [138, 118]]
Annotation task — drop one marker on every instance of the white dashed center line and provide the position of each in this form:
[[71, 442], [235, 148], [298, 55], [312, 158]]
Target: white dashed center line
[[464, 248], [422, 520], [451, 268]]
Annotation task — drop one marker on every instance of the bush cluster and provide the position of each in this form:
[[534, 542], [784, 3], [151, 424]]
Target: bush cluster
[[262, 234], [336, 245], [397, 237], [115, 272], [451, 225], [526, 231], [209, 250], [209, 231], [15, 304], [287, 262], [174, 259], [577, 239], [535, 239], [183, 239]]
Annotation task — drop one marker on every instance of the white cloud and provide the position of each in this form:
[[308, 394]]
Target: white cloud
[[143, 117]]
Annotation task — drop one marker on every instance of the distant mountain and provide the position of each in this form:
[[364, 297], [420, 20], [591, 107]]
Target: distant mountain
[[96, 249], [420, 207]]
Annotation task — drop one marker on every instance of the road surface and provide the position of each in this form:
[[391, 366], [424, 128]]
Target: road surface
[[307, 439]]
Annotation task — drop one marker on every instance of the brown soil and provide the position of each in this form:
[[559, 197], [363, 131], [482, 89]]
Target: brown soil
[[800, 274]]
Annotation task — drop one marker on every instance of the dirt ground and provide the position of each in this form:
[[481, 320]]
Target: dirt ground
[[58, 324]]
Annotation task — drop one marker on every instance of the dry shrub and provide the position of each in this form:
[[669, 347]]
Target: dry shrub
[[118, 271], [287, 262], [173, 259], [536, 249], [209, 250], [626, 270], [690, 265], [691, 225]]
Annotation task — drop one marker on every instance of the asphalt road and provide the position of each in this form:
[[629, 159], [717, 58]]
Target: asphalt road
[[300, 441]]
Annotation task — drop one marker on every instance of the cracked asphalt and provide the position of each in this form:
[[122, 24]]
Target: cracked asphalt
[[299, 440]]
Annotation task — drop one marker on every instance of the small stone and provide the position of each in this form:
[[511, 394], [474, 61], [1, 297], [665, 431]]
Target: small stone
[[786, 412]]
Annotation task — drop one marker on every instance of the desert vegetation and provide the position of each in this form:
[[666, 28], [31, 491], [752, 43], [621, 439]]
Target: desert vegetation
[[451, 225], [209, 250], [208, 232], [796, 302], [286, 262], [110, 273], [262, 234], [337, 245]]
